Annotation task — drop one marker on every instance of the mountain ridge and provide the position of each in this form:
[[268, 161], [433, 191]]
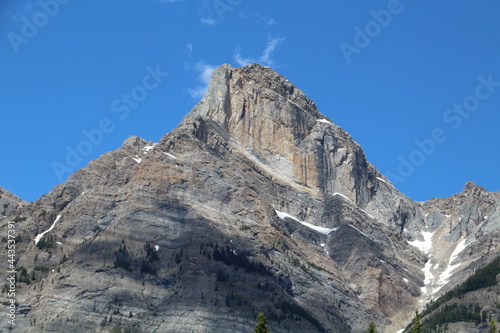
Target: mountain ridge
[[246, 180]]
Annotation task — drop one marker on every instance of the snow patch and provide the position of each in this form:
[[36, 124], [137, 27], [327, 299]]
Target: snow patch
[[382, 180], [147, 149], [343, 196], [446, 274], [428, 277], [405, 280], [425, 245], [323, 121], [157, 248], [137, 159], [368, 214], [325, 231], [59, 243], [39, 236], [170, 155], [361, 232]]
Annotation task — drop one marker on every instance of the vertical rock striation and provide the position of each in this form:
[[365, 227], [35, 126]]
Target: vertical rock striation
[[255, 202]]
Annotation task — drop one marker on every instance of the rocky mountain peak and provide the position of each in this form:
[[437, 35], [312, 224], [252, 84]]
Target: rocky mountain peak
[[269, 119], [255, 202]]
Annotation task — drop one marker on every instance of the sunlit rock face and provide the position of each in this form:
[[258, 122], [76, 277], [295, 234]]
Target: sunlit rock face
[[255, 202]]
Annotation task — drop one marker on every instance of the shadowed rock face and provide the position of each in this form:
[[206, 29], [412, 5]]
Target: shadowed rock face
[[255, 202]]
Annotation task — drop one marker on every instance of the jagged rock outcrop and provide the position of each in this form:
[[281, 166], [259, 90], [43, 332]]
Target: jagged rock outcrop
[[255, 202], [8, 202]]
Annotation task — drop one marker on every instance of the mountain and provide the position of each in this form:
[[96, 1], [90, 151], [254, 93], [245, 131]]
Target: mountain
[[8, 202], [255, 202], [467, 307]]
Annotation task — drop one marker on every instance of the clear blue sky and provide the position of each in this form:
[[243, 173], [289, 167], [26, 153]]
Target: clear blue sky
[[388, 72]]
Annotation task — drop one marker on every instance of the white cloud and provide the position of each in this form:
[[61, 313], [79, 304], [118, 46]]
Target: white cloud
[[204, 77], [189, 47], [272, 43], [241, 61], [208, 21], [269, 21], [264, 59]]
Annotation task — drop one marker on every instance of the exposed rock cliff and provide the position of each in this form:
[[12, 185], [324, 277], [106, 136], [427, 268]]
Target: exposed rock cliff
[[256, 201], [8, 202]]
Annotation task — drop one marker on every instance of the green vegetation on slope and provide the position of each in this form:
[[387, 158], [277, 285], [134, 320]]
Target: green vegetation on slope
[[482, 278], [438, 316]]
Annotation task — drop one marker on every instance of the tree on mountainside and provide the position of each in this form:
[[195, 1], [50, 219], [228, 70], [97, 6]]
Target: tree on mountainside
[[493, 326], [372, 328], [416, 326], [261, 324]]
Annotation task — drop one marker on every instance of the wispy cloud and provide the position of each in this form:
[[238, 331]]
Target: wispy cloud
[[269, 21], [241, 61], [208, 21], [205, 74], [265, 58], [189, 48], [272, 44]]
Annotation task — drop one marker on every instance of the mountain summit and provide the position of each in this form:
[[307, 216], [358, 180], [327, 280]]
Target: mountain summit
[[255, 202]]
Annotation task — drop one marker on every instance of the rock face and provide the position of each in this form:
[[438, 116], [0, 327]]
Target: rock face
[[8, 202], [255, 202]]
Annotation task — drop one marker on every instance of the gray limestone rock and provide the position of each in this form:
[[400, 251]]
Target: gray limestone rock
[[255, 202]]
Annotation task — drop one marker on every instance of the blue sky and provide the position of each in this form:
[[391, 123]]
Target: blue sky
[[416, 84]]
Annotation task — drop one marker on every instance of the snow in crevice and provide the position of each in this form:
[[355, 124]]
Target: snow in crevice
[[147, 149], [323, 121], [157, 248], [382, 180], [429, 277], [361, 232], [170, 155], [368, 214], [343, 196], [39, 236], [425, 245], [323, 230], [447, 273], [137, 159], [436, 276], [352, 202]]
